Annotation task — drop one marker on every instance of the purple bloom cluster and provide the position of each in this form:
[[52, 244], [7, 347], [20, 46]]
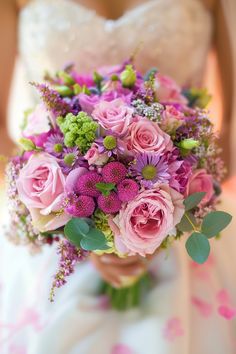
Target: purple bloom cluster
[[70, 256]]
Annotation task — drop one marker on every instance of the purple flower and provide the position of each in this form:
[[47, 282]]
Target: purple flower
[[52, 100], [87, 102], [180, 173], [80, 206], [150, 169], [112, 145], [82, 80], [69, 257], [70, 159], [116, 90], [54, 144]]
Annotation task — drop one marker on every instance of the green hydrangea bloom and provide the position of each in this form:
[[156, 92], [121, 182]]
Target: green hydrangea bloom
[[78, 130], [101, 222]]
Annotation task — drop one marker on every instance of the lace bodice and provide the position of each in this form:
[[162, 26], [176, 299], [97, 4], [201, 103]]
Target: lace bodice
[[173, 35]]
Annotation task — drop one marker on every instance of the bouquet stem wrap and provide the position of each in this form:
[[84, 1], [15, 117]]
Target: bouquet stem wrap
[[129, 296]]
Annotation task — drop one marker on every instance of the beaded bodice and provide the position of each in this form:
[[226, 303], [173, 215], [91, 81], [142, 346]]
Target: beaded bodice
[[173, 35]]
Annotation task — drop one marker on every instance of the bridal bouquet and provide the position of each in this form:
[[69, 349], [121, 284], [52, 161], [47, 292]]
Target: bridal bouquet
[[116, 162]]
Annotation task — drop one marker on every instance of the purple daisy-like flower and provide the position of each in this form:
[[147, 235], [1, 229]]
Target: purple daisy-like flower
[[150, 169], [54, 144], [112, 145], [70, 159]]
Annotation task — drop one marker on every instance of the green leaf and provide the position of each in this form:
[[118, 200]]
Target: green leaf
[[198, 247], [75, 229], [94, 240], [186, 222], [150, 74], [27, 144], [105, 188], [215, 222], [63, 90], [193, 200], [189, 144]]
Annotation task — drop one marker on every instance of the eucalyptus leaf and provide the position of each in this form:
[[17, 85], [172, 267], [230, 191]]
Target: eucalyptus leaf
[[187, 222], [214, 222], [75, 229], [94, 240], [193, 200], [198, 247]]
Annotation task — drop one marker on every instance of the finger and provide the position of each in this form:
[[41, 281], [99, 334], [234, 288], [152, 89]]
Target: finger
[[113, 259]]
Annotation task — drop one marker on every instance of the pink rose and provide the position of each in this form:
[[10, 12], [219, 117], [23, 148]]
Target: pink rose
[[172, 119], [167, 90], [201, 181], [147, 220], [115, 116], [146, 136], [94, 157], [41, 186], [87, 102], [38, 121]]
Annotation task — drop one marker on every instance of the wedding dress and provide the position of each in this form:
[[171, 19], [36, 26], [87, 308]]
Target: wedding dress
[[187, 310]]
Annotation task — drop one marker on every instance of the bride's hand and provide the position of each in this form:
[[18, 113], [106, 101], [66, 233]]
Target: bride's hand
[[112, 268]]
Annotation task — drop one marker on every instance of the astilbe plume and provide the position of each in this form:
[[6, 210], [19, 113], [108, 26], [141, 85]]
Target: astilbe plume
[[53, 101], [69, 257]]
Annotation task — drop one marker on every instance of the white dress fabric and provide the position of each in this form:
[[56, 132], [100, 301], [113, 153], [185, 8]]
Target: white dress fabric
[[191, 309]]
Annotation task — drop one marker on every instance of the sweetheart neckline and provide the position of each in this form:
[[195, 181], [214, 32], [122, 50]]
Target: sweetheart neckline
[[127, 12], [142, 6]]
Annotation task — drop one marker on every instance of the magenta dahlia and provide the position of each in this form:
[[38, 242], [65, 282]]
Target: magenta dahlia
[[82, 206], [114, 172], [109, 204], [127, 190], [86, 184]]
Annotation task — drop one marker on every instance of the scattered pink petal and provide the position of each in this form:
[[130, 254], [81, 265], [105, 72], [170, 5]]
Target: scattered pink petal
[[173, 329], [103, 303], [31, 317], [223, 297], [203, 307], [203, 275], [227, 312], [121, 349]]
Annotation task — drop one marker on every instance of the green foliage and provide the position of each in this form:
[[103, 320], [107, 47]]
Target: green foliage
[[97, 78], [198, 247], [105, 188], [193, 200], [128, 76], [27, 144], [187, 223], [78, 130], [64, 90], [197, 97], [65, 77], [81, 232], [150, 74], [214, 222], [188, 144]]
